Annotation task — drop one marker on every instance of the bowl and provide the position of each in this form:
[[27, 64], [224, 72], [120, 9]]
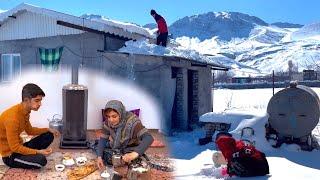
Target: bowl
[[68, 162], [81, 160], [105, 174], [60, 167]]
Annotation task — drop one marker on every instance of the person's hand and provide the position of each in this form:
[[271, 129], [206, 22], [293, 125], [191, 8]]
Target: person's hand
[[130, 157], [45, 151], [110, 139], [54, 132], [100, 163], [99, 134]]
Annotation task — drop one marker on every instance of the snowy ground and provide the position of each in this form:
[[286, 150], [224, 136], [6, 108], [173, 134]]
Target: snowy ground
[[243, 108]]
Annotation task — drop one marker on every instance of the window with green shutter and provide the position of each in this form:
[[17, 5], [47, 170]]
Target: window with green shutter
[[50, 58]]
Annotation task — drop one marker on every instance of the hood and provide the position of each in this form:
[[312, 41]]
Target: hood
[[227, 145], [119, 108], [157, 17]]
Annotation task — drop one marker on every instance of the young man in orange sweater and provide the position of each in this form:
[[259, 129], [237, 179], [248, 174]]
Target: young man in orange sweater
[[15, 120]]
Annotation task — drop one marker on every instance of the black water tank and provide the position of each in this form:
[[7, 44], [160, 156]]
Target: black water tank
[[294, 111]]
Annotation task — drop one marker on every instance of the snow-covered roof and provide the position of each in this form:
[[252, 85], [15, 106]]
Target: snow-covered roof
[[144, 47], [1, 10], [127, 30]]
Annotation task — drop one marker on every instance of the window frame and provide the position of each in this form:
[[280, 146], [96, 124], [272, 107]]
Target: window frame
[[15, 72]]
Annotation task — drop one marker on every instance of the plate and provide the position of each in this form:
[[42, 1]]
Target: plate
[[68, 162], [81, 160]]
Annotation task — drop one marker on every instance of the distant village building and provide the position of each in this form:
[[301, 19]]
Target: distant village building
[[36, 37], [309, 75], [241, 80]]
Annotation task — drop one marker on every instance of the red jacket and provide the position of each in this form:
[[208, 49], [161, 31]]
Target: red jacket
[[249, 159], [162, 25], [228, 146]]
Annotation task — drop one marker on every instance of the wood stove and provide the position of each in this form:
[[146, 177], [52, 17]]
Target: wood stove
[[75, 106]]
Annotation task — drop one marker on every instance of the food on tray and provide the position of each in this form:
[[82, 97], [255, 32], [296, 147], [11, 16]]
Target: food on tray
[[67, 160], [140, 169], [67, 157], [81, 171]]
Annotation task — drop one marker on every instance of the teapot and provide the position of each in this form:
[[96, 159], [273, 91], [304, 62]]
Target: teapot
[[56, 122]]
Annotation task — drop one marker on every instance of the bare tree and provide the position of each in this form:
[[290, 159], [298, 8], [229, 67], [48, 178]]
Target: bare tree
[[290, 68], [312, 63]]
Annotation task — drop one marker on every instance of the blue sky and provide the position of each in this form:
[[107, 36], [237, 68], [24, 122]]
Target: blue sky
[[137, 11]]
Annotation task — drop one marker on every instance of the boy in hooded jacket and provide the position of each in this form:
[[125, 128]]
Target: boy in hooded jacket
[[243, 159]]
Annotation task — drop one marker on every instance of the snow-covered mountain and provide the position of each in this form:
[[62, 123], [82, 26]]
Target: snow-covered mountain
[[286, 25], [307, 31], [250, 42], [224, 25], [150, 25], [247, 44]]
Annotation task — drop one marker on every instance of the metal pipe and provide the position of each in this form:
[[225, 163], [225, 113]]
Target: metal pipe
[[74, 74]]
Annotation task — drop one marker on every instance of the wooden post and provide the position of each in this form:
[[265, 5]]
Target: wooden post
[[213, 79], [212, 89], [272, 82]]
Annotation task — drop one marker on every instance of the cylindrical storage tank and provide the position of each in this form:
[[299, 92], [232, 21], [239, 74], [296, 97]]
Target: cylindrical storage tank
[[294, 111]]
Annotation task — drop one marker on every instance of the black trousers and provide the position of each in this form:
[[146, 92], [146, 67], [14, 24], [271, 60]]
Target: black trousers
[[162, 39], [249, 166], [36, 161]]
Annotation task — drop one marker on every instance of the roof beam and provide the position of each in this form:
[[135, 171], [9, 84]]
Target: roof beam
[[219, 68], [82, 28], [199, 65]]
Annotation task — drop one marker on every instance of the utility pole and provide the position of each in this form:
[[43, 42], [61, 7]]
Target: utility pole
[[272, 82]]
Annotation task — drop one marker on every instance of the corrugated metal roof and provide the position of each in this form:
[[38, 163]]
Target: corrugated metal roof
[[213, 66], [23, 27], [19, 23]]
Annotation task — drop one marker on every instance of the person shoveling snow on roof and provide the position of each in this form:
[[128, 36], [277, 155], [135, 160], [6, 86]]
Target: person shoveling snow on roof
[[242, 159], [162, 28]]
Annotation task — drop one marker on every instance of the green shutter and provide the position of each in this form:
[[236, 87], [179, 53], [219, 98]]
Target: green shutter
[[50, 58]]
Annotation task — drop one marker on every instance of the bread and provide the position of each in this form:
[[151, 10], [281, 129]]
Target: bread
[[82, 171]]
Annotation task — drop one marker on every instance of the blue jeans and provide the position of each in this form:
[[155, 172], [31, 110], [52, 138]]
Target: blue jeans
[[103, 149]]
